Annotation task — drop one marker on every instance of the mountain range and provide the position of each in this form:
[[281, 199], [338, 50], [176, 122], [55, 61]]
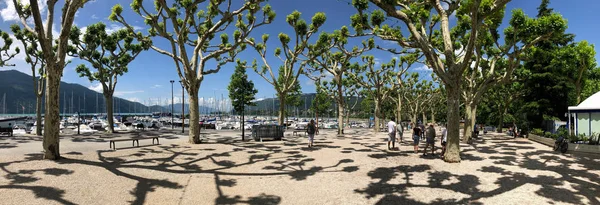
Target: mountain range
[[16, 96]]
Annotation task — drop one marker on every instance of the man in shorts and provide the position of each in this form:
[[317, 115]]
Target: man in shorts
[[416, 137], [391, 133], [430, 139]]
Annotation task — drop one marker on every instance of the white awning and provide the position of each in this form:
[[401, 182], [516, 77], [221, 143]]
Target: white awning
[[591, 103]]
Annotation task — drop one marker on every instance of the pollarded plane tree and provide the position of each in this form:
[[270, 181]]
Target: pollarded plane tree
[[109, 55], [54, 53], [494, 63], [33, 57], [295, 56], [448, 50], [416, 94], [407, 59], [5, 53], [378, 80], [334, 58], [190, 35]]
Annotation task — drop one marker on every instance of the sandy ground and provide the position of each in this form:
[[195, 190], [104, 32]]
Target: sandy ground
[[355, 169]]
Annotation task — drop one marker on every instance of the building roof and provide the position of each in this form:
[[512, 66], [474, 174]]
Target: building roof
[[591, 103]]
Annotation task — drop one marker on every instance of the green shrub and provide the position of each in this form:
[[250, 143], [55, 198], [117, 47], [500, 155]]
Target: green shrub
[[538, 132]]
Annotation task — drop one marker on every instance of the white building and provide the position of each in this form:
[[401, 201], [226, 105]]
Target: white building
[[586, 116]]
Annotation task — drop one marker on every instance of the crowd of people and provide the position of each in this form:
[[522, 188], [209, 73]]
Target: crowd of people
[[419, 132], [396, 131]]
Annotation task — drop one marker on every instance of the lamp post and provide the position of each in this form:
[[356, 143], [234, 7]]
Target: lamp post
[[182, 107], [172, 105]]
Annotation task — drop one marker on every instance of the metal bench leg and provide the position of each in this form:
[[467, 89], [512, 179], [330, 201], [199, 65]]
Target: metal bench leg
[[110, 145]]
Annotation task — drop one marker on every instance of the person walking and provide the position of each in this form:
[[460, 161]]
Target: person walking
[[310, 130], [422, 126], [416, 137], [430, 140], [391, 134], [400, 131], [444, 139]]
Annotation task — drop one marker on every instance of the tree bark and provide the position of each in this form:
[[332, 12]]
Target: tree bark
[[501, 120], [424, 117], [414, 119], [376, 116], [52, 115], [108, 98], [453, 147], [243, 130], [399, 109], [194, 135], [340, 104], [38, 115], [471, 115], [281, 109]]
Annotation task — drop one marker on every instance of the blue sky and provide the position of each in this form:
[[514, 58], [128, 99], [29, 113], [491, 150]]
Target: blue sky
[[149, 74]]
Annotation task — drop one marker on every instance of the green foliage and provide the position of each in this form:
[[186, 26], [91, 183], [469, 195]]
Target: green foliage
[[241, 90], [321, 103], [5, 53], [192, 30], [108, 54]]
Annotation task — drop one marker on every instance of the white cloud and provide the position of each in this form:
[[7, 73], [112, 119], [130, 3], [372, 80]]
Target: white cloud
[[97, 87], [156, 86], [309, 82], [94, 16], [423, 68], [134, 99], [377, 61], [121, 93], [10, 13], [115, 27]]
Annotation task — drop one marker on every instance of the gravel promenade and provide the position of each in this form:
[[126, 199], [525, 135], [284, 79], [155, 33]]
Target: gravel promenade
[[355, 169]]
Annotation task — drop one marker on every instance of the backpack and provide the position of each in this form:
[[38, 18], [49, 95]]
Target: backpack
[[311, 129]]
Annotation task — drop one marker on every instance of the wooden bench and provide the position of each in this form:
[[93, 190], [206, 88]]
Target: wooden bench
[[7, 130], [133, 140]]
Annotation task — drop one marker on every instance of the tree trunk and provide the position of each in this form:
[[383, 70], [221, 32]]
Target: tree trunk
[[399, 109], [281, 109], [578, 91], [414, 119], [501, 121], [424, 117], [453, 147], [340, 104], [194, 135], [317, 125], [38, 115], [243, 130], [432, 115], [52, 115], [471, 115], [376, 116], [108, 98]]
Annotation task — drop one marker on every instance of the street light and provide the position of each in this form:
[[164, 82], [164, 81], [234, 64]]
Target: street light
[[172, 105], [182, 107]]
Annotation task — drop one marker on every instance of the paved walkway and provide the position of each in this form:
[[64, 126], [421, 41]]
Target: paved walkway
[[356, 169]]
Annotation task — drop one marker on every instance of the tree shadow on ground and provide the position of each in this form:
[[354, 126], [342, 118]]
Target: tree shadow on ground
[[20, 178], [512, 169]]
